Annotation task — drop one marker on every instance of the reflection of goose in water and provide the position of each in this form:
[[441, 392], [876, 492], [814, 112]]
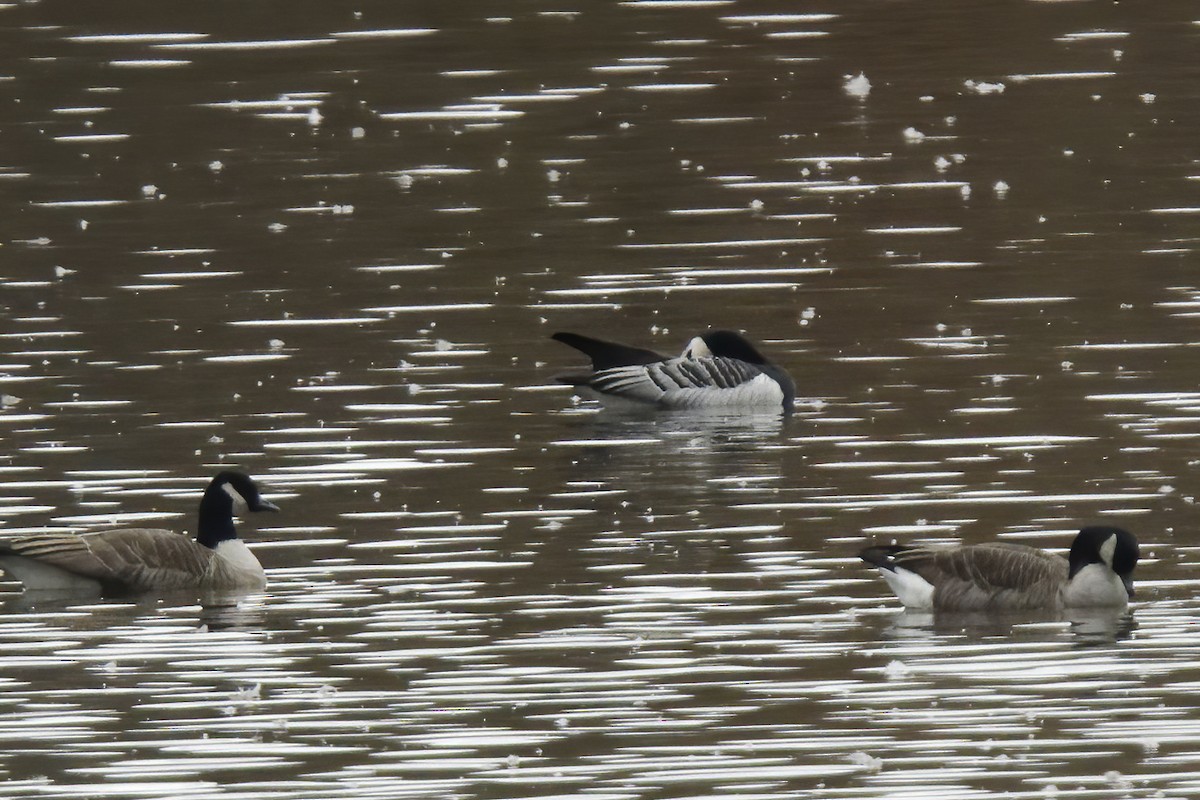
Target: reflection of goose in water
[[704, 428], [1098, 573], [1088, 626], [718, 369], [142, 559]]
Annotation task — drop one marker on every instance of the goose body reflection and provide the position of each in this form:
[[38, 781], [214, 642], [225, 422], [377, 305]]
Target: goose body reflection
[[717, 369], [130, 560], [1098, 573]]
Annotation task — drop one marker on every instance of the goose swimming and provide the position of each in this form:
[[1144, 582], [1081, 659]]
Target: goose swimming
[[131, 560], [717, 369], [1097, 573]]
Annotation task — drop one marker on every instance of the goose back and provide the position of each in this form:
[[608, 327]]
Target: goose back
[[980, 577], [130, 560]]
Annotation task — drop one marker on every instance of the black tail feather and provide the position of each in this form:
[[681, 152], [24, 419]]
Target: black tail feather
[[883, 557], [606, 355]]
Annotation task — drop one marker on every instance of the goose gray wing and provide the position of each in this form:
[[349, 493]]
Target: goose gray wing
[[996, 575], [690, 383], [129, 559]]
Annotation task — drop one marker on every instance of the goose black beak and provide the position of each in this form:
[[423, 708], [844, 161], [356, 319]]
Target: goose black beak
[[265, 505]]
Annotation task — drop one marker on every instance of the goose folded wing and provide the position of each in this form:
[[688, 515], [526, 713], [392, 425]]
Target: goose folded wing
[[988, 567], [134, 558], [676, 378]]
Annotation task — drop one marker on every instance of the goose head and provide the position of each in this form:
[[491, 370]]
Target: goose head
[[727, 344], [228, 494], [1115, 548]]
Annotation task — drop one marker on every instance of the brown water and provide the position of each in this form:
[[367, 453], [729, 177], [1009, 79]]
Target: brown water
[[327, 243]]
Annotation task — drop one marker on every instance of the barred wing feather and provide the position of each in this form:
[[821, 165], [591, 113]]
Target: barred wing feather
[[129, 559], [988, 575], [689, 383]]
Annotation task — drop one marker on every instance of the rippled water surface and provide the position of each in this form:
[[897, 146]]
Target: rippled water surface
[[327, 243]]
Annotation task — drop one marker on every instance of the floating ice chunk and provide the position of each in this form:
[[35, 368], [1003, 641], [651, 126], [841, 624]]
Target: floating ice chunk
[[404, 181], [983, 87], [756, 205], [965, 191], [149, 190], [62, 272], [1117, 780], [896, 670], [275, 344], [314, 117], [941, 163], [215, 166], [856, 85], [7, 400], [277, 227], [248, 694], [502, 163], [872, 763], [1147, 98], [913, 135], [358, 133]]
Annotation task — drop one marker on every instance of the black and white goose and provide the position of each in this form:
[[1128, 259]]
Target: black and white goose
[[130, 560], [1098, 573], [718, 369]]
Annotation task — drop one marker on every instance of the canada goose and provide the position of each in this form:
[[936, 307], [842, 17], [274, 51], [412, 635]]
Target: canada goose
[[717, 369], [1098, 573], [128, 560]]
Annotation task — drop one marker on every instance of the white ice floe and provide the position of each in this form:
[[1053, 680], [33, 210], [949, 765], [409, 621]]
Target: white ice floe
[[856, 85]]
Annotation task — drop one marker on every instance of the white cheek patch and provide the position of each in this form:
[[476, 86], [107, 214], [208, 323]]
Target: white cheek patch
[[239, 503], [697, 348], [1108, 549]]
